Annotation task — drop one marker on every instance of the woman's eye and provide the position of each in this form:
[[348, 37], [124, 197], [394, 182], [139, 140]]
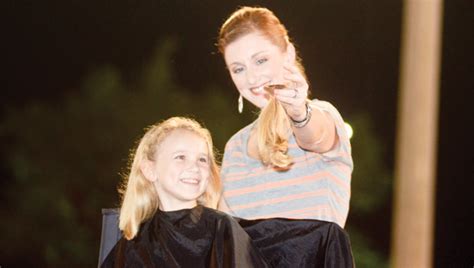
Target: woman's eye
[[203, 160], [237, 70], [262, 60]]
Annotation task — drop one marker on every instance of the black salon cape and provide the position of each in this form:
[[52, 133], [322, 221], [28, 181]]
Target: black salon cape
[[300, 243], [198, 237], [203, 237]]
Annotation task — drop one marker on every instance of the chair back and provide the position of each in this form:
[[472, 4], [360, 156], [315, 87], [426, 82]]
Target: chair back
[[110, 232]]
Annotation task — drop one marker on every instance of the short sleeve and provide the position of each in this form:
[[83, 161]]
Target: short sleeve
[[342, 150]]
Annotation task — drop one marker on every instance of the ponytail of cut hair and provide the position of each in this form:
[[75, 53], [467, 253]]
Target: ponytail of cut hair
[[273, 130]]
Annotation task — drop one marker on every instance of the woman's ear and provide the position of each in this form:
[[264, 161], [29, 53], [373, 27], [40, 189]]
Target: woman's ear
[[290, 53], [147, 168]]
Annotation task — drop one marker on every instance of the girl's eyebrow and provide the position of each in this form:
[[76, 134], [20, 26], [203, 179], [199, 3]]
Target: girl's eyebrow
[[185, 151], [178, 151]]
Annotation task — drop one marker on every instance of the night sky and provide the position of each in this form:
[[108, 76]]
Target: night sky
[[350, 50]]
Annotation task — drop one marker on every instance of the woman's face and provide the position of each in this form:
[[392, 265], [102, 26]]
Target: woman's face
[[253, 62]]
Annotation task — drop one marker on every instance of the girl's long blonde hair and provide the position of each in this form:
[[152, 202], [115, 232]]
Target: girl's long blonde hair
[[140, 200], [273, 127]]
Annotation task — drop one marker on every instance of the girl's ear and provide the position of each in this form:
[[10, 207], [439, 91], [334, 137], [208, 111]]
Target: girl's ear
[[290, 53], [147, 168]]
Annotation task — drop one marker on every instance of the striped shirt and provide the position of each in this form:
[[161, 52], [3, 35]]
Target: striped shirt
[[317, 186]]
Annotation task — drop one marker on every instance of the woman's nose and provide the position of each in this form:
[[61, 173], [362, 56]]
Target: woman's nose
[[251, 76]]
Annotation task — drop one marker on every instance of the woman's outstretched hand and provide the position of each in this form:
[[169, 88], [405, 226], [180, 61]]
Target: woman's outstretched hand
[[293, 98]]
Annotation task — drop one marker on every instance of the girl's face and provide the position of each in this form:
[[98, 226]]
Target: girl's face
[[182, 170], [253, 61]]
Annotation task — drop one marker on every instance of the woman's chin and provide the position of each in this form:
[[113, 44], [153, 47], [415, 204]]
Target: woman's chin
[[261, 101]]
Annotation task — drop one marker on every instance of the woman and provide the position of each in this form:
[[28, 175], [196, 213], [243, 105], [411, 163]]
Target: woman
[[295, 160]]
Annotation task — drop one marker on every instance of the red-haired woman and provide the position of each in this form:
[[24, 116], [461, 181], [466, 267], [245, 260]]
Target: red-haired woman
[[295, 160]]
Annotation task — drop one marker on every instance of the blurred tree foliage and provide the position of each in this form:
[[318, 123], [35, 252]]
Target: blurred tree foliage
[[368, 223], [65, 158]]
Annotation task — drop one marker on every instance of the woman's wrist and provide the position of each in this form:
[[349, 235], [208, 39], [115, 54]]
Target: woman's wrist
[[299, 113], [302, 122]]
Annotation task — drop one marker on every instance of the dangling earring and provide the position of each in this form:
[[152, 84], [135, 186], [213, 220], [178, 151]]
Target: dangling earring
[[240, 106]]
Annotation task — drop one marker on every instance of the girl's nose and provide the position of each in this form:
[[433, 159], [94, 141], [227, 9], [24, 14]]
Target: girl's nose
[[193, 165]]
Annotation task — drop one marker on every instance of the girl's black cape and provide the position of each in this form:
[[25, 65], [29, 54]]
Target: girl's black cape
[[203, 237]]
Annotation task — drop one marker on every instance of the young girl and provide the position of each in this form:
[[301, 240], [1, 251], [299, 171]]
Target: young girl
[[166, 216]]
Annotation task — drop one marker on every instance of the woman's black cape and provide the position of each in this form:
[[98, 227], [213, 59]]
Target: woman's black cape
[[203, 237]]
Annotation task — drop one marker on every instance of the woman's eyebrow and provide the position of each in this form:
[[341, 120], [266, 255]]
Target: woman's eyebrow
[[258, 53], [253, 56]]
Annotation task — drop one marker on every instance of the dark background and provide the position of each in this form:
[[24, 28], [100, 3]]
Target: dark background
[[54, 51]]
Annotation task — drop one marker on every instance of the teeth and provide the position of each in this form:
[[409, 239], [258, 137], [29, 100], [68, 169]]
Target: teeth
[[193, 181], [258, 89]]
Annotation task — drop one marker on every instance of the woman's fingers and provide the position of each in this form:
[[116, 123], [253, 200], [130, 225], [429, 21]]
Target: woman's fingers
[[289, 93], [296, 78], [294, 75], [290, 97], [293, 98]]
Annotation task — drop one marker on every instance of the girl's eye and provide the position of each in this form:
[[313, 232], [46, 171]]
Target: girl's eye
[[237, 70], [262, 60], [203, 160], [180, 157]]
